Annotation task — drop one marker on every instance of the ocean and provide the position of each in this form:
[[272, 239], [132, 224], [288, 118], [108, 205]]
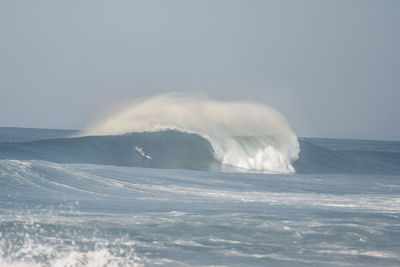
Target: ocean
[[73, 199]]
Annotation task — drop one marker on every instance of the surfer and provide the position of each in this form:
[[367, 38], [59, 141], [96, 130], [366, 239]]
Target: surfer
[[142, 153]]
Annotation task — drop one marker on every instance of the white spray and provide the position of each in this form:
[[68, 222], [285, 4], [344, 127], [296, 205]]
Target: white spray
[[243, 134]]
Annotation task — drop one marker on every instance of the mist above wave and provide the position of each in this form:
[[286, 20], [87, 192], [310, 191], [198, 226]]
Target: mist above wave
[[243, 134]]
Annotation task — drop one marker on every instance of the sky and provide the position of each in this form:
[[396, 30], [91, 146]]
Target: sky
[[332, 68]]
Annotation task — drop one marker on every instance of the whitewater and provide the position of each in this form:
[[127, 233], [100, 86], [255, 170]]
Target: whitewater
[[227, 184]]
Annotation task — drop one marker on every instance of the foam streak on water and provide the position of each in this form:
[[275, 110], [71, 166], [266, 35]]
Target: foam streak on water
[[54, 214]]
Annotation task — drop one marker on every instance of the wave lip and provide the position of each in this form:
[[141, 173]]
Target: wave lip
[[244, 135]]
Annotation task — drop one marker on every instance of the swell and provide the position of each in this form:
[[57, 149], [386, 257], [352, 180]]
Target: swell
[[179, 150], [319, 159]]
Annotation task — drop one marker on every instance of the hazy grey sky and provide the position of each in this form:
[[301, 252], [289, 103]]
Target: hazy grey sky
[[331, 67]]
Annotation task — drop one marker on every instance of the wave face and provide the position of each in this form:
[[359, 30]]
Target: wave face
[[168, 149], [243, 135]]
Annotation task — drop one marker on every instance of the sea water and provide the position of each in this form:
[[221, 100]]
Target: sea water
[[94, 201]]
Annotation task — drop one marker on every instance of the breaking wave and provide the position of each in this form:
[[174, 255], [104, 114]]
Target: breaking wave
[[242, 134]]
